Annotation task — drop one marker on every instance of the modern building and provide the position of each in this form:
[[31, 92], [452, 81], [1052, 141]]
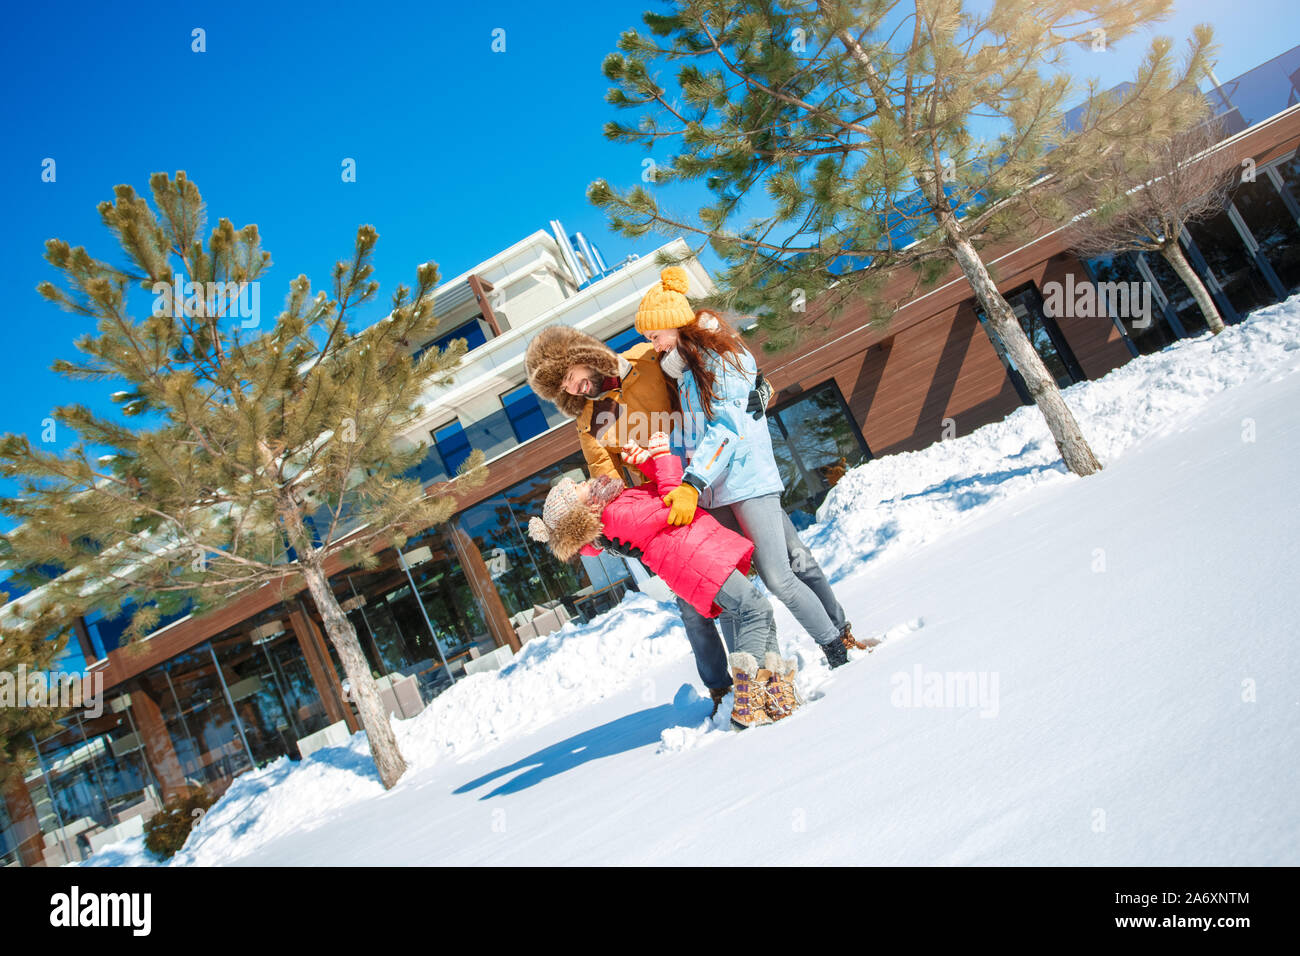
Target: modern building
[[205, 699]]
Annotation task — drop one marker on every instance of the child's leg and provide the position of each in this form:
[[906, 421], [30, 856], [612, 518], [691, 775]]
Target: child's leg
[[750, 612]]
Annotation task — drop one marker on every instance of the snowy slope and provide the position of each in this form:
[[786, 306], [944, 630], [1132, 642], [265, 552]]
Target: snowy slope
[[1126, 639]]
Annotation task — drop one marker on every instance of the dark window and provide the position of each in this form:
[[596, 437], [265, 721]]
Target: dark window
[[444, 590], [1045, 336], [1289, 170], [431, 469], [472, 332], [274, 696], [525, 573], [1147, 336], [815, 440], [1183, 305], [625, 339], [1273, 227], [1017, 380], [453, 445], [1225, 254], [525, 412]]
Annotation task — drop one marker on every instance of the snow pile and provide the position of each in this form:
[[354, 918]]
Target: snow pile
[[552, 676], [889, 506]]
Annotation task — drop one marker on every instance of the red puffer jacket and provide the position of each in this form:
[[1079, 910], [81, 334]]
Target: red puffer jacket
[[693, 559]]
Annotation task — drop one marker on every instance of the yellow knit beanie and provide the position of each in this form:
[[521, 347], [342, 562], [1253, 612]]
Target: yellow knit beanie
[[665, 305]]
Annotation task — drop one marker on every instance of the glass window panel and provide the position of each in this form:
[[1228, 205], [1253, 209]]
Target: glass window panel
[[383, 623], [1044, 336], [297, 686], [519, 580], [1260, 92], [446, 595], [1180, 297], [1289, 170], [97, 777], [120, 764], [1121, 268], [1273, 226], [525, 573], [815, 441], [453, 445], [276, 706], [525, 412], [188, 691], [1225, 253], [410, 642], [625, 339], [106, 630], [69, 794], [8, 839], [431, 469], [493, 435], [472, 332], [1013, 374]]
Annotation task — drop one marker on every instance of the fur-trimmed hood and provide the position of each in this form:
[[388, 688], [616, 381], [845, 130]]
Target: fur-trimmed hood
[[553, 352], [574, 528]]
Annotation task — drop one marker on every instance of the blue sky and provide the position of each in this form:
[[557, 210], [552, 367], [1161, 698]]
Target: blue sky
[[460, 151]]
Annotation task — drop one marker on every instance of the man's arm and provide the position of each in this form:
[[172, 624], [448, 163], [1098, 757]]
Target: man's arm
[[600, 461]]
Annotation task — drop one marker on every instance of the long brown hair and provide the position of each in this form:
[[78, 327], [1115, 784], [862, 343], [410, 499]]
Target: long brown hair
[[694, 341]]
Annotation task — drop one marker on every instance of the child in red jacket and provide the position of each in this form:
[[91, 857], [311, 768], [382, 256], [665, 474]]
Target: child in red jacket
[[703, 562]]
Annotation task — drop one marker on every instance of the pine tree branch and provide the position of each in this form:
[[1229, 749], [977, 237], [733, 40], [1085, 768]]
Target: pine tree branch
[[755, 85]]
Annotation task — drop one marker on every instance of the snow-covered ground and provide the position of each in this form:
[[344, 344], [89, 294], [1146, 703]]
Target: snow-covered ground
[[1079, 671]]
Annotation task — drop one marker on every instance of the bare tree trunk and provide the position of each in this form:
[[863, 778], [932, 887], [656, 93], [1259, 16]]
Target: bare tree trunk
[[1173, 254], [1065, 430], [379, 731]]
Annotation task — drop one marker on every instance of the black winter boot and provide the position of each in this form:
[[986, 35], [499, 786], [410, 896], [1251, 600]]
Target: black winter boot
[[836, 653], [718, 694]]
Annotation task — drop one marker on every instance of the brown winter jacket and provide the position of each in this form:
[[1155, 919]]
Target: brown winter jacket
[[634, 411]]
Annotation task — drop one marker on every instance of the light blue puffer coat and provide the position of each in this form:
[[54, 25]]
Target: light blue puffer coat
[[729, 453]]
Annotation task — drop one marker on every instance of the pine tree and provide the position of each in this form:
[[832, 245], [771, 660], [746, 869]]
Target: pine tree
[[240, 433], [859, 123], [1142, 200], [23, 652]]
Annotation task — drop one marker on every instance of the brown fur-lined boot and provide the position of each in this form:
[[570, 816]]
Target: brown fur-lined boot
[[749, 703], [782, 694]]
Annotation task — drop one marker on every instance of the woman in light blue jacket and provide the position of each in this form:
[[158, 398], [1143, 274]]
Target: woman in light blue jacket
[[731, 469]]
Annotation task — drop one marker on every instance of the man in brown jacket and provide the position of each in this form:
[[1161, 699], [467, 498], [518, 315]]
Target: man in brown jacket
[[616, 398]]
